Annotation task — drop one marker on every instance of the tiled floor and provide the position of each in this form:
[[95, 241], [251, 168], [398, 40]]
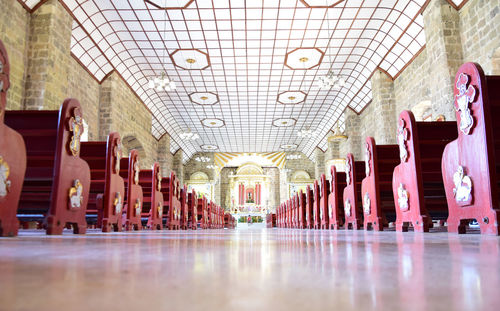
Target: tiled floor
[[250, 270]]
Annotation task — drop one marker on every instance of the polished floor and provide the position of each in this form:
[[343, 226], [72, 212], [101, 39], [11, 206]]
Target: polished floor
[[273, 269]]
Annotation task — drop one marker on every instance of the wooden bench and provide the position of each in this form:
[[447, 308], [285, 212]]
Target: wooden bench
[[301, 204], [335, 199], [12, 158], [289, 215], [294, 212], [278, 215], [309, 207], [192, 203], [417, 183], [152, 207], [171, 200], [57, 180], [471, 163], [184, 208], [203, 213], [316, 206], [107, 189], [229, 221], [130, 171], [352, 192], [270, 220], [324, 193], [376, 188]]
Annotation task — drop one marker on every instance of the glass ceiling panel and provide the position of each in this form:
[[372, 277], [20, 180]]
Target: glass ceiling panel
[[247, 43]]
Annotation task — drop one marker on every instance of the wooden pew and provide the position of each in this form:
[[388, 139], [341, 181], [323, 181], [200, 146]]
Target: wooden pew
[[152, 207], [129, 171], [335, 199], [352, 192], [278, 215], [184, 208], [301, 198], [203, 213], [12, 158], [294, 212], [289, 214], [57, 180], [192, 204], [324, 193], [470, 163], [171, 201], [309, 207], [417, 184], [316, 206], [376, 188], [107, 189]]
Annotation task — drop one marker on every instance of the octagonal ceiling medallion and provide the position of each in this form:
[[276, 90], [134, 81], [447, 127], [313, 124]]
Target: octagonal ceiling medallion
[[190, 59], [209, 147], [291, 97], [284, 122], [304, 58], [170, 4], [321, 3], [204, 98], [213, 122], [289, 146]]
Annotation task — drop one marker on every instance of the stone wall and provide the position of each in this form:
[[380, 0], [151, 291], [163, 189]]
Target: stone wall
[[14, 30], [44, 73], [480, 34]]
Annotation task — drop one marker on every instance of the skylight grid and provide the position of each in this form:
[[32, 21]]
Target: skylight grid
[[246, 43]]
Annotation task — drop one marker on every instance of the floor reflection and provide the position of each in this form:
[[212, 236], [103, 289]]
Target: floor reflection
[[250, 269]]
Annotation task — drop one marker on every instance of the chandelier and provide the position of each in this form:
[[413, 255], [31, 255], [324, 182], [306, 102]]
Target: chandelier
[[331, 80], [293, 156], [189, 135], [162, 83], [306, 133], [202, 159], [212, 167]]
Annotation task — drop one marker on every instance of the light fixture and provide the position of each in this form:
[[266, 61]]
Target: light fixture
[[330, 80], [209, 147], [288, 146], [202, 159], [307, 132], [338, 135], [162, 83], [212, 166], [293, 156], [189, 135]]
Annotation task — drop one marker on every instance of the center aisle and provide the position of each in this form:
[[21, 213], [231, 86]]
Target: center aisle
[[249, 270]]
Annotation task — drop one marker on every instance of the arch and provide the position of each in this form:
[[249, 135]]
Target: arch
[[199, 177], [130, 142], [250, 168], [300, 176], [423, 111], [495, 62]]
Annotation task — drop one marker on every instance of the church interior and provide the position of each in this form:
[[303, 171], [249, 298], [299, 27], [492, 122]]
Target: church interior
[[235, 154]]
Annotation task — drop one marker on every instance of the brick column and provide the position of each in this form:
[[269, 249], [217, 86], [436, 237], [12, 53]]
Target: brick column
[[319, 163], [353, 131], [165, 158], [442, 31], [48, 65], [178, 166], [383, 117]]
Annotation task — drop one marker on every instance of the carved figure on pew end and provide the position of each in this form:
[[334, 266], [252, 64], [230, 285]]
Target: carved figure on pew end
[[353, 218], [110, 213], [134, 194], [335, 199], [469, 163], [12, 158], [155, 216], [417, 184]]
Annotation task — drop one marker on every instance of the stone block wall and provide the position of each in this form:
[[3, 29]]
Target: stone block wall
[[44, 73], [480, 33], [14, 30]]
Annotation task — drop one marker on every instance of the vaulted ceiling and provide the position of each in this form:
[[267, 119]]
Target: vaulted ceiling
[[248, 90]]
